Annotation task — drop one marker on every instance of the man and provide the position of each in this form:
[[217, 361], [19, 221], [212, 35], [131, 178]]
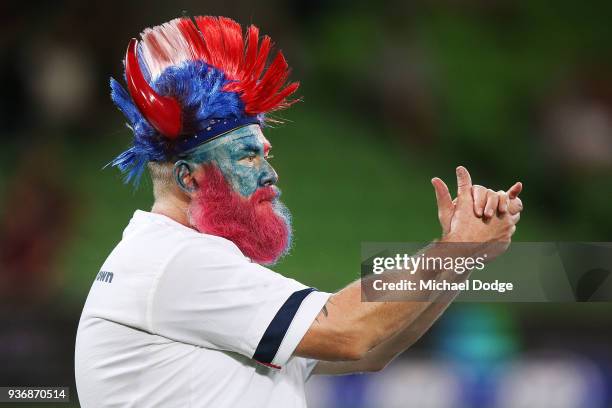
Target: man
[[182, 312]]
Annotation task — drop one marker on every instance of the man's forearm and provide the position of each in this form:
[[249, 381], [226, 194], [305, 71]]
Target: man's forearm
[[388, 318], [358, 327], [381, 355]]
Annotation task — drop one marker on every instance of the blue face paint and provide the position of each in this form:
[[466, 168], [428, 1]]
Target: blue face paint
[[241, 155]]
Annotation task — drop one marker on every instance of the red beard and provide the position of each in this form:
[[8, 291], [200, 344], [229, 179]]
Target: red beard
[[260, 225]]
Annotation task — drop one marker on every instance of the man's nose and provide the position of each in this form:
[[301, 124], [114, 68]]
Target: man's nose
[[268, 177]]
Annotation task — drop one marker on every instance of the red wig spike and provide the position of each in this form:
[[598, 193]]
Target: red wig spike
[[213, 39], [162, 112], [250, 52], [233, 45], [262, 57], [193, 36]]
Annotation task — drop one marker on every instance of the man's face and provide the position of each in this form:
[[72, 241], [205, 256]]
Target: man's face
[[237, 198], [241, 155]]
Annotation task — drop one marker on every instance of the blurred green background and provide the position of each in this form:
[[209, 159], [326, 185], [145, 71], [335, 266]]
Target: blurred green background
[[394, 94]]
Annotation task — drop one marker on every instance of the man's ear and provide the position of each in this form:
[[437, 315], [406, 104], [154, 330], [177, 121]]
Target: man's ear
[[183, 175]]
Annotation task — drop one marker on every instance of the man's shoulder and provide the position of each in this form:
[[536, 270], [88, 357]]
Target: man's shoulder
[[158, 233], [205, 257], [200, 244]]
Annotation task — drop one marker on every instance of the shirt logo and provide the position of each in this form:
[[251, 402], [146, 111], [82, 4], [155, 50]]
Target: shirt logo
[[104, 276]]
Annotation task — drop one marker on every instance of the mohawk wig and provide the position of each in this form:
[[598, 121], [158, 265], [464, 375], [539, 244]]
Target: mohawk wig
[[189, 81]]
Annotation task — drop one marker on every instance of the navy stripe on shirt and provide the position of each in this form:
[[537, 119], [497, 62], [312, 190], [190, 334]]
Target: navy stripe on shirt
[[271, 340]]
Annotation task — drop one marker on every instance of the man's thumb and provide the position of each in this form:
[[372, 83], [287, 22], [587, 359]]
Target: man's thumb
[[464, 185], [445, 204]]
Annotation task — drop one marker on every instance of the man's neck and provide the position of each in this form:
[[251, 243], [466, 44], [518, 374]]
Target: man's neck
[[174, 208]]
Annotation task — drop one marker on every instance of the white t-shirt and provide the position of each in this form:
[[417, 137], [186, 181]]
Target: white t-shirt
[[176, 318]]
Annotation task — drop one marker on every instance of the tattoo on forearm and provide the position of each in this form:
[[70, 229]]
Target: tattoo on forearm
[[325, 312]]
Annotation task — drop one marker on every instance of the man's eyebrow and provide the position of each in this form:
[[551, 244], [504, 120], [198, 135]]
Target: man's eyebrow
[[248, 146]]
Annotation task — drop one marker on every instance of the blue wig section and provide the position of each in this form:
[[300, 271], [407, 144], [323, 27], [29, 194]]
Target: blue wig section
[[199, 91], [147, 144]]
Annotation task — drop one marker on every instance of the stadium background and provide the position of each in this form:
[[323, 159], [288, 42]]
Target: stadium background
[[394, 93]]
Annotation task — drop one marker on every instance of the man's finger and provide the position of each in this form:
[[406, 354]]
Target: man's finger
[[480, 199], [515, 206], [502, 208], [464, 184], [445, 203], [515, 190], [492, 203]]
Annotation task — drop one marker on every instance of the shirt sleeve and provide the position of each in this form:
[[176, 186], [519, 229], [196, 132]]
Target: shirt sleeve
[[218, 299]]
